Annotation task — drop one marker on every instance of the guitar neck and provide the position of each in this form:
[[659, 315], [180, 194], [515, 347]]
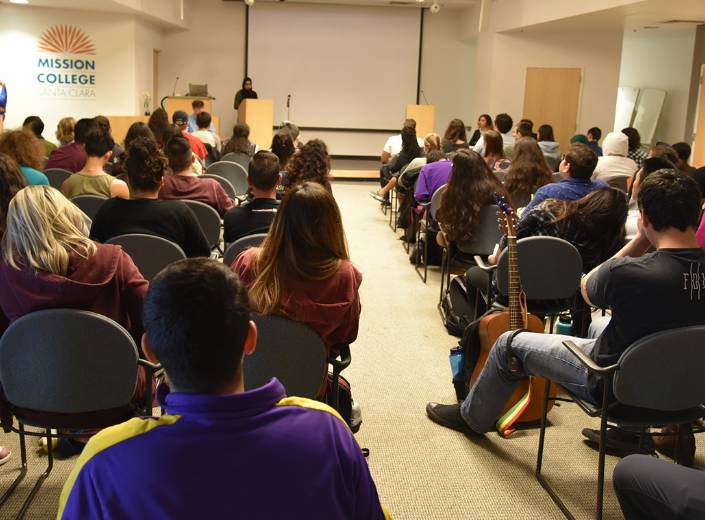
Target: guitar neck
[[516, 317]]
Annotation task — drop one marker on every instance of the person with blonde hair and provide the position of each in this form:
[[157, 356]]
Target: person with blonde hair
[[64, 130], [27, 152]]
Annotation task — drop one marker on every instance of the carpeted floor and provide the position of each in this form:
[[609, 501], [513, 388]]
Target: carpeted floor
[[400, 361]]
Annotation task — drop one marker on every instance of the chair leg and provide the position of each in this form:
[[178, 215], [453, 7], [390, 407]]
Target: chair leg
[[425, 258], [445, 265], [23, 468], [50, 465], [539, 457], [601, 459]]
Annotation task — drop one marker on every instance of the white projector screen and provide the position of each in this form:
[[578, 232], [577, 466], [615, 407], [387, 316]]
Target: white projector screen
[[344, 66]]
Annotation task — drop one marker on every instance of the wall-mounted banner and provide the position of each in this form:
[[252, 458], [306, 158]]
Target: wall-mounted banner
[[66, 68]]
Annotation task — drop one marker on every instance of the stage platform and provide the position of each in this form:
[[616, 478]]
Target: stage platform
[[357, 169]]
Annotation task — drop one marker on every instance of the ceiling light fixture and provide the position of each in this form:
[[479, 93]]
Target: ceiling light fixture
[[19, 1], [435, 8]]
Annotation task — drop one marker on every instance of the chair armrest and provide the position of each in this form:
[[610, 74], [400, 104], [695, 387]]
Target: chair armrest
[[484, 265], [587, 362], [344, 362], [154, 371]]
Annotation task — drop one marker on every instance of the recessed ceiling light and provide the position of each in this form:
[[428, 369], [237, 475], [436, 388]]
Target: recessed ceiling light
[[19, 1]]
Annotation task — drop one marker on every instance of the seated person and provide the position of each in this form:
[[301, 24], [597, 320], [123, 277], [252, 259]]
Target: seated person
[[311, 164], [504, 124], [172, 131], [493, 151], [527, 173], [256, 215], [636, 153], [648, 167], [25, 149], [471, 187], [240, 141], [203, 121], [432, 177], [92, 179], [456, 137], [35, 125], [549, 147], [219, 450], [104, 123], [388, 173], [64, 130], [144, 213], [192, 126], [185, 184], [684, 150], [303, 270], [72, 156], [614, 163], [652, 489], [294, 132], [180, 119], [593, 136], [576, 169], [283, 147], [627, 283], [393, 145]]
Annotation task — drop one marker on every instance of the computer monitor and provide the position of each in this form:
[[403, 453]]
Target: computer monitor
[[198, 90]]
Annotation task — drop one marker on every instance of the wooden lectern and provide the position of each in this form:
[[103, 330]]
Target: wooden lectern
[[425, 117], [259, 115]]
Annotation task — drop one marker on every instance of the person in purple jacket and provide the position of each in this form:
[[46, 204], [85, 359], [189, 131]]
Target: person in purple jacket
[[219, 451], [432, 177]]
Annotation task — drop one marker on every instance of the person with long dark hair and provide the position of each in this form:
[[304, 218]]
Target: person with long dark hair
[[455, 137], [389, 172], [527, 173], [283, 147], [484, 123], [493, 152], [549, 147], [245, 92], [240, 141]]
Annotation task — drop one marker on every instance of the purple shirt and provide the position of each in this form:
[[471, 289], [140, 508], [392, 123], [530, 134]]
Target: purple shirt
[[432, 177], [256, 454], [566, 189]]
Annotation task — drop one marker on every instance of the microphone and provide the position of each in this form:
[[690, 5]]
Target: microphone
[[173, 91], [424, 97], [288, 100]]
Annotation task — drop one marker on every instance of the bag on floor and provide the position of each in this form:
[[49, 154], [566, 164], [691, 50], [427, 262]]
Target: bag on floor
[[345, 400], [463, 358], [456, 308]]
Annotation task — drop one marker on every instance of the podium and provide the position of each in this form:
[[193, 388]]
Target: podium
[[259, 115], [425, 117], [175, 103]]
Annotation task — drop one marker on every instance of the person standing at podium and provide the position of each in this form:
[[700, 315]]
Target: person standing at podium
[[245, 92]]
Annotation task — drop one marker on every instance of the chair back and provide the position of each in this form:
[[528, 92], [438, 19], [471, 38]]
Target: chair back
[[225, 183], [89, 204], [619, 182], [436, 201], [233, 172], [290, 351], [409, 176], [150, 253], [208, 218], [240, 245], [57, 176], [663, 371], [240, 158], [67, 361], [549, 268], [487, 235]]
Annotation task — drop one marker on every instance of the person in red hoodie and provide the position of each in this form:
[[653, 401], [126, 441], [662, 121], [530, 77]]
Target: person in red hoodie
[[180, 119], [48, 261]]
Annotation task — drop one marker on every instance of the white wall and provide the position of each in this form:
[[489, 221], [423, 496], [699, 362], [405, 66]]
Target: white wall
[[448, 68], [662, 59], [147, 38], [212, 51]]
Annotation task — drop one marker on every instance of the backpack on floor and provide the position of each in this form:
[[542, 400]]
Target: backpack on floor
[[345, 401], [463, 359], [456, 307]]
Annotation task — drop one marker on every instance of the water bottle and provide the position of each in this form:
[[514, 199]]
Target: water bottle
[[564, 325]]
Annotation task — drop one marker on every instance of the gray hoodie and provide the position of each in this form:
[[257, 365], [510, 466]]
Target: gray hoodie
[[552, 154]]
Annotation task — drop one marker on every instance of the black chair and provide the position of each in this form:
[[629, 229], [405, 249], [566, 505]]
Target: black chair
[[290, 351], [209, 219], [550, 269], [150, 253], [672, 360], [67, 369], [57, 176], [481, 245], [234, 173], [240, 245], [426, 224], [240, 158], [89, 204], [225, 183]]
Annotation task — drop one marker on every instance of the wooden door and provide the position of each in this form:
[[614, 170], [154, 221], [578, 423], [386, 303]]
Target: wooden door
[[552, 97], [699, 144]]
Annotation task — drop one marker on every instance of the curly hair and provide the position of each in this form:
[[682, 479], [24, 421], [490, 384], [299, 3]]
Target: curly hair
[[24, 147], [472, 186], [145, 164], [529, 170], [11, 181], [312, 163], [64, 130]]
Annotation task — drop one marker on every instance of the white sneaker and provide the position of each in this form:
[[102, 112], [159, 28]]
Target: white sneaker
[[355, 417]]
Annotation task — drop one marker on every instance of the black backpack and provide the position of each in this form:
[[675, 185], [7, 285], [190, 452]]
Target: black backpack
[[456, 308]]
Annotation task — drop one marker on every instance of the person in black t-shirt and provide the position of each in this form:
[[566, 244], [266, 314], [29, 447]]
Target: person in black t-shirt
[[144, 213], [647, 293], [256, 215]]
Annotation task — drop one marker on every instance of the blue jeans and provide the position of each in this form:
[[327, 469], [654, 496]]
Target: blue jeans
[[540, 355]]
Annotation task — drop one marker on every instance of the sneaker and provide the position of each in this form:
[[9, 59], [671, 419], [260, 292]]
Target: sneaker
[[619, 442], [379, 198], [67, 448], [666, 445], [448, 415], [355, 417], [5, 454]]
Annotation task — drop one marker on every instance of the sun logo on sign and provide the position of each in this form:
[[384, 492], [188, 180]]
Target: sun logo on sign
[[66, 39]]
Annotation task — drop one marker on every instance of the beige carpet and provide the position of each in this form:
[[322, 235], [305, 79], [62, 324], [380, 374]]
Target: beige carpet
[[400, 361]]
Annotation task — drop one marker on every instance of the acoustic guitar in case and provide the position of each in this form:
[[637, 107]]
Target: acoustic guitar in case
[[526, 403]]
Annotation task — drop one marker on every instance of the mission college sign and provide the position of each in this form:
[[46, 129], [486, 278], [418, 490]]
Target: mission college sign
[[62, 70]]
